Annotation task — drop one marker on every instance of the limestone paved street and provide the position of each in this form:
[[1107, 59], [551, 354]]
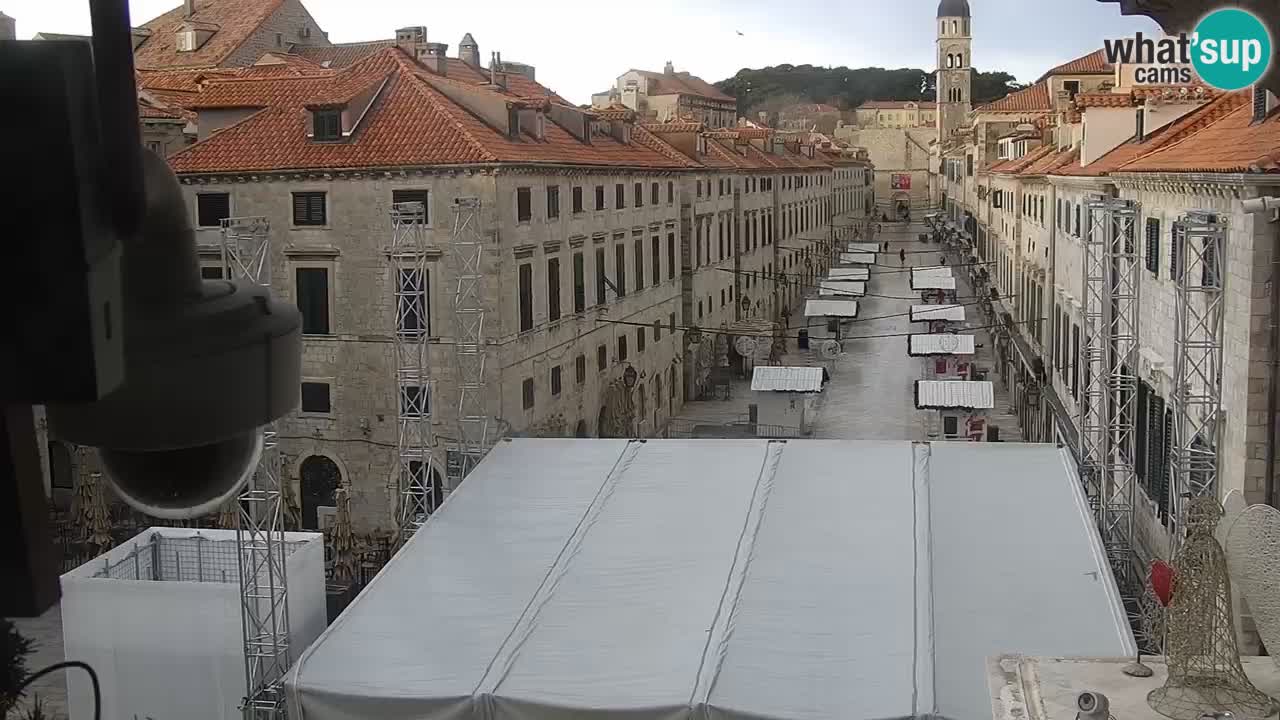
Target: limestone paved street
[[870, 395]]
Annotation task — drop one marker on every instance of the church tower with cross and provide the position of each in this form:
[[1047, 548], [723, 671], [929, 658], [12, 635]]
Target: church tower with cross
[[955, 66]]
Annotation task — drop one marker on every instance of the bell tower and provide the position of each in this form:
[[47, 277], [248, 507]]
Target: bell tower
[[955, 66]]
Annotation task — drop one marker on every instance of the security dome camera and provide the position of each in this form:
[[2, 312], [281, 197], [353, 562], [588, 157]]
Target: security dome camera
[[207, 364], [1092, 706]]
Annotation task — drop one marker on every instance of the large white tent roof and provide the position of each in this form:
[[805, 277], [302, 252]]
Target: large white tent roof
[[726, 579]]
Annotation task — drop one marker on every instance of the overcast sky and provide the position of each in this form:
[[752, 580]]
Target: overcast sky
[[578, 52]]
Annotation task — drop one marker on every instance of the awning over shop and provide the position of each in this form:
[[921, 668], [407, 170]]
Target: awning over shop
[[847, 288], [868, 247], [932, 282], [788, 379], [863, 258], [848, 273]]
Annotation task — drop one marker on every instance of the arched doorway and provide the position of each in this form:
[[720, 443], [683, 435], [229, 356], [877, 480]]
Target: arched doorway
[[602, 423], [581, 430], [319, 478]]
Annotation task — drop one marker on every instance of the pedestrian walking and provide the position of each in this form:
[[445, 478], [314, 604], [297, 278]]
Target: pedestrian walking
[[902, 256], [943, 260], [886, 246]]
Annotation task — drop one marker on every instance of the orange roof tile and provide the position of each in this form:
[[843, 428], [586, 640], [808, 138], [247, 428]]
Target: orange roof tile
[[409, 124], [1048, 163], [1104, 99], [1189, 92], [1095, 63], [1175, 131], [1031, 99], [1227, 144], [182, 80], [683, 126], [343, 54], [1017, 165], [235, 21]]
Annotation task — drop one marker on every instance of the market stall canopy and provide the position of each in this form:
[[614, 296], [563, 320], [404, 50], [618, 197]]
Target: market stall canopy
[[864, 258], [955, 395], [932, 271], [848, 273], [831, 308], [932, 282], [939, 344], [929, 313], [849, 288], [866, 247], [728, 579], [788, 379]]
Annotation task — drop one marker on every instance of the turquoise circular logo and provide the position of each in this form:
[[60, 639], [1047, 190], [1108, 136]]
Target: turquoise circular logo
[[1231, 49]]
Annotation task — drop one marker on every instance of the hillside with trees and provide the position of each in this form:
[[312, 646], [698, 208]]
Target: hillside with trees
[[772, 88]]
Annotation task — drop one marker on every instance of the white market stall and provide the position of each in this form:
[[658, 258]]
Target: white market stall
[[949, 354], [961, 405], [934, 286], [849, 273], [727, 579], [784, 398], [935, 313], [857, 258], [158, 618], [835, 312], [841, 287], [864, 247]]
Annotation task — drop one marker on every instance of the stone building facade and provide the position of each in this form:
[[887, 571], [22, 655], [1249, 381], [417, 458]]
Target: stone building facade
[[669, 96], [1018, 180], [896, 114]]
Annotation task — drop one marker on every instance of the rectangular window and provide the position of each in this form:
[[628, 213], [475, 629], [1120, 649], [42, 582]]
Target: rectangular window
[[654, 197], [619, 196], [1159, 438], [309, 209], [620, 269], [313, 299], [1077, 228], [1141, 456], [640, 335], [210, 272], [580, 369], [657, 330], [637, 193], [1209, 277], [212, 209], [327, 124], [671, 192], [671, 256], [315, 398], [553, 289], [413, 196], [526, 296], [639, 252], [671, 322], [720, 227], [413, 316], [577, 199], [599, 197], [622, 348], [600, 277], [1153, 245], [602, 358], [553, 202], [579, 283], [657, 260], [415, 401], [697, 247], [524, 204], [1075, 361], [526, 392], [555, 380]]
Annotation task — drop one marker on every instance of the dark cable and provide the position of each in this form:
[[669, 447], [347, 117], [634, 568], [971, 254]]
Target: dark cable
[[120, 138], [93, 677]]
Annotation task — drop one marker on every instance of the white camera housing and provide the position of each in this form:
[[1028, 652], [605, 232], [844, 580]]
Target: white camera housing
[[1092, 706]]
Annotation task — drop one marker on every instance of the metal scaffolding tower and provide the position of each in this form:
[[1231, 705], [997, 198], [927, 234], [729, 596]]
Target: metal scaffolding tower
[[1108, 356], [415, 442], [474, 422], [264, 610], [1198, 252]]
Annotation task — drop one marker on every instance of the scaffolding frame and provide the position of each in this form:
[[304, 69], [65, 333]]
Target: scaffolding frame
[[1109, 356], [1199, 244], [264, 607], [473, 419], [416, 466]]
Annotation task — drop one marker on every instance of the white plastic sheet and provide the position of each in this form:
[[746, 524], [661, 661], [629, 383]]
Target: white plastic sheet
[[173, 648], [721, 579]]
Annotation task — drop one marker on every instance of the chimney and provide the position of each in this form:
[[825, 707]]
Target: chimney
[[435, 58], [188, 8], [469, 51], [8, 28], [412, 40], [497, 78], [669, 69]]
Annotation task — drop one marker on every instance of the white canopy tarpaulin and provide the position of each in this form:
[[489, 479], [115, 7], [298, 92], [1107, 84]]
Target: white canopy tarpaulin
[[862, 258], [725, 580]]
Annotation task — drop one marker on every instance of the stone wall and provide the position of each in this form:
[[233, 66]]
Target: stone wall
[[294, 25]]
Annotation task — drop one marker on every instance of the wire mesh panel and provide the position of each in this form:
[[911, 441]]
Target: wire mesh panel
[[181, 559], [474, 431]]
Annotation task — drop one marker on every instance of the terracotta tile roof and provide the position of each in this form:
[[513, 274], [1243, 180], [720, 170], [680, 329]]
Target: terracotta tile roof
[[1074, 116], [282, 65], [1031, 99], [1105, 99], [1218, 143], [1179, 129], [674, 127], [1095, 63], [1172, 92], [189, 80], [410, 123], [681, 83], [615, 112], [896, 104], [343, 54], [1050, 162], [149, 109], [234, 20]]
